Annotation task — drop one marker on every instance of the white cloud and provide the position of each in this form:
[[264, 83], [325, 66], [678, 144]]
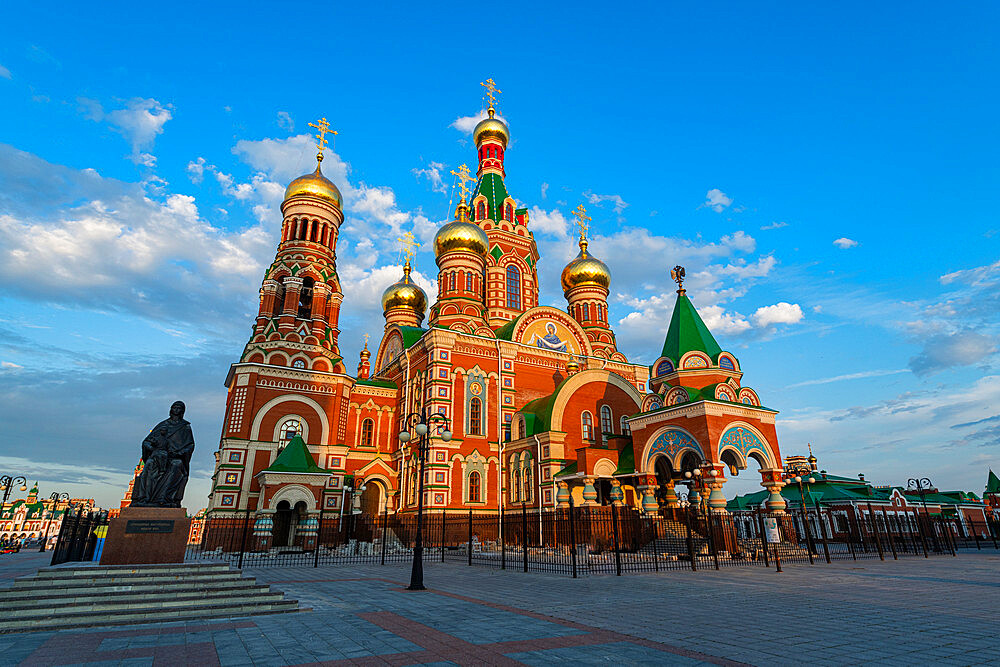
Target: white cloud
[[545, 190], [139, 121], [717, 200], [285, 121], [719, 321], [619, 203], [196, 169], [9, 365], [433, 175], [551, 222], [465, 124], [849, 376], [844, 243], [779, 313], [961, 348], [4, 73], [774, 225], [975, 277]]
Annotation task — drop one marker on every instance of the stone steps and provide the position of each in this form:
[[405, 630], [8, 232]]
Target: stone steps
[[73, 597]]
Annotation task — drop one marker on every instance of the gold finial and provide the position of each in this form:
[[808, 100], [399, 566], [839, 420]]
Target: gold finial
[[323, 125], [408, 244], [583, 222], [491, 90], [366, 341], [463, 176], [677, 274]]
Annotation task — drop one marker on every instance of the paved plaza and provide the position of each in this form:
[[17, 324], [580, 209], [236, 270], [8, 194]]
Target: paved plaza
[[915, 611]]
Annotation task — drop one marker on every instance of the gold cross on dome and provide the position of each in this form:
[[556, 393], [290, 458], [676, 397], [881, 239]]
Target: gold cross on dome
[[582, 221], [408, 243], [366, 341], [323, 125], [463, 176], [491, 89]]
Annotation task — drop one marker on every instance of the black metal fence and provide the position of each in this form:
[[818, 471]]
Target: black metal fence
[[588, 540], [78, 536]]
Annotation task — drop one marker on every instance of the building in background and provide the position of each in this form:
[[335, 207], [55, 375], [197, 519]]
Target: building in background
[[33, 518]]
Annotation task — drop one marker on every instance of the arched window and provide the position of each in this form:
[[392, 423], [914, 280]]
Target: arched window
[[607, 423], [626, 429], [527, 484], [468, 281], [413, 486], [481, 211], [587, 422], [289, 430], [367, 433], [475, 487], [509, 213], [306, 299], [475, 416], [513, 287], [517, 484], [520, 428], [451, 281], [279, 299]]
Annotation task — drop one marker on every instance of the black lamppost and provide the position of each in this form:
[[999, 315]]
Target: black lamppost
[[794, 473], [422, 424], [7, 483], [922, 485], [55, 498]]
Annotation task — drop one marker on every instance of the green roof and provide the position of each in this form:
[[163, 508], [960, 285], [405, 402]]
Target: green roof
[[295, 457], [388, 384], [992, 483], [411, 335], [626, 461], [570, 469], [687, 333], [492, 187], [507, 330]]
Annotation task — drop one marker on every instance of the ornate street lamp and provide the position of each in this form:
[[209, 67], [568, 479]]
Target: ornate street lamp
[[7, 483], [795, 473], [922, 485], [50, 514], [422, 423]]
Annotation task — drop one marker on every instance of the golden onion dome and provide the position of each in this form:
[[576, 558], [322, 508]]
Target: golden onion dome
[[585, 270], [461, 235], [491, 127], [405, 294], [315, 185]]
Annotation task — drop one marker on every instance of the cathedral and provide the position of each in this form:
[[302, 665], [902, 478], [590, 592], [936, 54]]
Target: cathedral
[[543, 408]]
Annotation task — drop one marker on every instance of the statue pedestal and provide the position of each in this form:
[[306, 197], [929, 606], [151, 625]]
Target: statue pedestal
[[145, 535]]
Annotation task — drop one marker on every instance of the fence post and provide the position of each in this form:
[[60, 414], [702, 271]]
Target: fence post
[[470, 537], [888, 534], [822, 530], [850, 531], [690, 540], [319, 531], [711, 535], [763, 538], [878, 538], [805, 528], [444, 521], [777, 555], [656, 550], [920, 529], [503, 546], [992, 527], [614, 539], [572, 535], [524, 533], [243, 539], [946, 535], [385, 528]]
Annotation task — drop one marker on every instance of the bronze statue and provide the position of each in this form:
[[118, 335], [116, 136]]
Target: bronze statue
[[166, 462]]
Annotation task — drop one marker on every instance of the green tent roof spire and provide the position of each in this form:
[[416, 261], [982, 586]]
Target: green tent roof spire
[[687, 332], [295, 457], [992, 483]]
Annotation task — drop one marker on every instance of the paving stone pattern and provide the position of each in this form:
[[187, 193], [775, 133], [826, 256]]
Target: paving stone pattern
[[914, 611]]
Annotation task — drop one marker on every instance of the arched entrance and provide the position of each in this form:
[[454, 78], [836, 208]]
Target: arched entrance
[[281, 534], [372, 498]]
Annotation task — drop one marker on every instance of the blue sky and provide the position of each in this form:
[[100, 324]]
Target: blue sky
[[826, 175]]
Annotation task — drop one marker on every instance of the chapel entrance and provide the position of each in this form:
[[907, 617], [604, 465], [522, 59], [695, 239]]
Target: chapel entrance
[[371, 499], [282, 531]]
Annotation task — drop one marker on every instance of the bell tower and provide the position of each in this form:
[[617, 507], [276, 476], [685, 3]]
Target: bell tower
[[300, 297], [511, 264], [586, 281]]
